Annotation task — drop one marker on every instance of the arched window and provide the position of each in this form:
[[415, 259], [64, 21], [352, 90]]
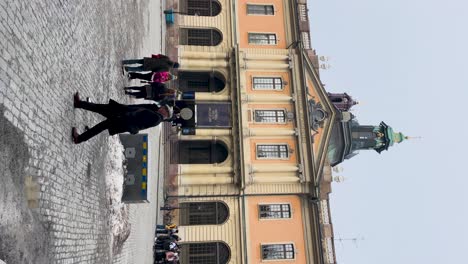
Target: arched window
[[200, 7], [201, 152], [191, 81], [205, 253], [203, 213], [200, 37]]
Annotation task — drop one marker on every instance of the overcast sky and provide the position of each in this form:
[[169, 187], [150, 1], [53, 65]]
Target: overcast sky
[[406, 60]]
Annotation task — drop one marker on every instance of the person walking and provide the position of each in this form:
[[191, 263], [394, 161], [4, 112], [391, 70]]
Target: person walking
[[167, 231], [120, 118], [166, 256], [160, 77], [155, 63], [166, 245], [153, 91]]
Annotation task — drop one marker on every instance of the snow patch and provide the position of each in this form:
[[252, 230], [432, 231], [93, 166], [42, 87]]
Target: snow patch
[[119, 212]]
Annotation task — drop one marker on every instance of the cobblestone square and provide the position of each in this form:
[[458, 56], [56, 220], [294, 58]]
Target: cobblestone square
[[53, 205]]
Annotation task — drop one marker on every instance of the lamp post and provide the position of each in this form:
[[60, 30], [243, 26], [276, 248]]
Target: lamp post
[[171, 11]]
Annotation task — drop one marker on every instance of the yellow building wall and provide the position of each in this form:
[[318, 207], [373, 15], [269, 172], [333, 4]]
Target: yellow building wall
[[261, 24], [227, 232], [275, 231], [221, 22]]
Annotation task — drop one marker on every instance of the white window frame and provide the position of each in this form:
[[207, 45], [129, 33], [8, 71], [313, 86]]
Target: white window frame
[[272, 144], [269, 109], [260, 4], [279, 243], [274, 218], [263, 33], [273, 78]]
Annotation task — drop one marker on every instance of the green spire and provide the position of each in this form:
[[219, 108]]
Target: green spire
[[398, 137], [395, 137]]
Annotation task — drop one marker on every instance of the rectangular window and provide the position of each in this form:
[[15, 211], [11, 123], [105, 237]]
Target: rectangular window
[[267, 83], [278, 251], [272, 151], [269, 116], [260, 9], [262, 38], [273, 211]]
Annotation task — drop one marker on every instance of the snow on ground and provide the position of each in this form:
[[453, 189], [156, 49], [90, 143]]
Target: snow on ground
[[119, 212]]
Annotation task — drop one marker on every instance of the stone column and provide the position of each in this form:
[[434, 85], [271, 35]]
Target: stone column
[[205, 96], [257, 169], [271, 132], [267, 98], [266, 66], [203, 169], [275, 57], [198, 179], [276, 179], [197, 64], [204, 55], [212, 132]]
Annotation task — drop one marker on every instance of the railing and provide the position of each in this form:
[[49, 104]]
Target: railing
[[303, 12], [329, 251], [306, 39]]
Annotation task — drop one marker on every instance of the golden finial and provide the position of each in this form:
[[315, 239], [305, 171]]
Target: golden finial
[[413, 137]]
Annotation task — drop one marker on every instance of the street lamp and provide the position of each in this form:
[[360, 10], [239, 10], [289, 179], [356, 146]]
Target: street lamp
[[171, 11]]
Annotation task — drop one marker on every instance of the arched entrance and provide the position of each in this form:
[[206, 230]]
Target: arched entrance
[[200, 36], [203, 213], [201, 81], [201, 152], [200, 7], [205, 253]]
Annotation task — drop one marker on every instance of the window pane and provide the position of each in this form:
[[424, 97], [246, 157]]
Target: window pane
[[275, 211], [272, 151], [278, 251], [260, 10], [267, 83], [262, 38], [269, 116]]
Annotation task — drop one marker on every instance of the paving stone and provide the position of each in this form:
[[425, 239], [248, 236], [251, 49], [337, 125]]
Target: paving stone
[[48, 51]]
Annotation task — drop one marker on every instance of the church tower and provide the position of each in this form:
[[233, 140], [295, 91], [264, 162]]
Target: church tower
[[349, 137], [379, 137]]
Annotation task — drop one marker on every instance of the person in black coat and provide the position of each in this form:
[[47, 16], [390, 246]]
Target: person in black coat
[[155, 63], [120, 118]]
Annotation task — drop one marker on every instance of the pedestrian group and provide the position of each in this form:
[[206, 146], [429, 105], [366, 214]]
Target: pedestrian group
[[166, 247], [121, 118]]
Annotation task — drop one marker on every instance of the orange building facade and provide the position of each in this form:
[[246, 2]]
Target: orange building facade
[[256, 190]]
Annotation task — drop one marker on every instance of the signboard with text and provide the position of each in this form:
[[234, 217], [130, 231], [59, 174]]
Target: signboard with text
[[213, 115]]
